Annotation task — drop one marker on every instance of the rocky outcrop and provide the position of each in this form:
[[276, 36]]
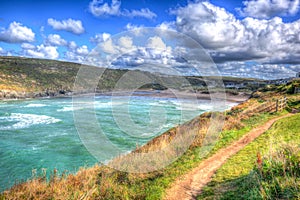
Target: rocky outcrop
[[11, 94]]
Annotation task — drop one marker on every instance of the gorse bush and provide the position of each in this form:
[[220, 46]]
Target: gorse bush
[[279, 174]]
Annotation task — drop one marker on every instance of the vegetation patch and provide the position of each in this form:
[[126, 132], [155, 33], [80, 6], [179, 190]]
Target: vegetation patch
[[101, 182], [250, 175]]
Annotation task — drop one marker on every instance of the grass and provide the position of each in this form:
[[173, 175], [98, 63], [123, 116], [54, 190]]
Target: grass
[[279, 173], [41, 77], [235, 179], [101, 182]]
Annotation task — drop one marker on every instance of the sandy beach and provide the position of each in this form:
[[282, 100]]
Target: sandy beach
[[241, 97]]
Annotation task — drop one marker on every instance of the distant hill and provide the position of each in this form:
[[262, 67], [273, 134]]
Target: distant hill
[[30, 77]]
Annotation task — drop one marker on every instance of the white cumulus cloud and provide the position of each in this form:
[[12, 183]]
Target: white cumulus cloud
[[27, 46], [130, 55], [98, 38], [109, 47], [72, 45], [83, 50], [98, 8], [231, 39], [156, 42], [144, 12], [56, 40], [136, 29], [77, 53], [269, 8], [2, 51], [42, 51], [126, 42], [166, 26], [17, 33], [70, 25]]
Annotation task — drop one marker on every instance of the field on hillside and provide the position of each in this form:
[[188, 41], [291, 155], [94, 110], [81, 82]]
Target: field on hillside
[[29, 77], [267, 168], [104, 183]]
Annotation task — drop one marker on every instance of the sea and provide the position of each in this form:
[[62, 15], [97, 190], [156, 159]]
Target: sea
[[40, 135]]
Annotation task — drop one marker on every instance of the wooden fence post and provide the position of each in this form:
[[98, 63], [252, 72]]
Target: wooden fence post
[[285, 101]]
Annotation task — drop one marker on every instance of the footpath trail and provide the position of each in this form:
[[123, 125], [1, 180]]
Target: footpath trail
[[190, 185]]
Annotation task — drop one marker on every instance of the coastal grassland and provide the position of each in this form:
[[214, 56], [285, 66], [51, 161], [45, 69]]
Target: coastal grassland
[[267, 168], [22, 77], [30, 77], [101, 182]]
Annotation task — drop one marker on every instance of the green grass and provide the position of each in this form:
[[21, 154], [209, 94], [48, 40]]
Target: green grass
[[232, 179], [228, 136], [112, 184], [106, 183], [157, 183], [40, 75]]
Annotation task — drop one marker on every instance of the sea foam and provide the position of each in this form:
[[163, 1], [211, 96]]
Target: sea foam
[[26, 120], [34, 105]]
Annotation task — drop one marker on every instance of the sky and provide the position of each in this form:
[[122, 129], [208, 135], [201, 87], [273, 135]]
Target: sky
[[251, 38]]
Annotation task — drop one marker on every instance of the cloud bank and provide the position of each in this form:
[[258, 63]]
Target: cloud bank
[[230, 39]]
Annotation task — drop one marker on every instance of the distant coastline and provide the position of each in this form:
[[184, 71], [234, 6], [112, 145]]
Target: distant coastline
[[237, 98], [28, 78]]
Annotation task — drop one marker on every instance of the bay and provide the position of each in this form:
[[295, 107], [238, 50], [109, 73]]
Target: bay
[[40, 133]]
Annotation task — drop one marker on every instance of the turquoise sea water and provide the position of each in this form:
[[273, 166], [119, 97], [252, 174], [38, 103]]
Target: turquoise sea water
[[36, 134]]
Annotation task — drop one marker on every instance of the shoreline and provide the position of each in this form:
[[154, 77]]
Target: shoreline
[[238, 98], [150, 93]]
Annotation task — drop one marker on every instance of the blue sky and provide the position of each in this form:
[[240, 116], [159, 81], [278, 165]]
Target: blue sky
[[252, 38]]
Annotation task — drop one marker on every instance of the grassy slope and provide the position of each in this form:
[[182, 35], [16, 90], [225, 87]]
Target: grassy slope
[[103, 183], [24, 74], [39, 75], [132, 186], [229, 179]]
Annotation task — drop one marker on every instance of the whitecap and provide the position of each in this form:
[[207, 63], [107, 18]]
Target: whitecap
[[33, 105], [66, 109], [21, 120], [71, 108], [108, 104], [148, 134]]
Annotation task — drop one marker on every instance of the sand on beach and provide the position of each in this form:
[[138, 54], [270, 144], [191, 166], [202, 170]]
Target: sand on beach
[[171, 93]]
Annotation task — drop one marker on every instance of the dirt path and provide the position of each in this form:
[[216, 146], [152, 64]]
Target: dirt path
[[190, 185]]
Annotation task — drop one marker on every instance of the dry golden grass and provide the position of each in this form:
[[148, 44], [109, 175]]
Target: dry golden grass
[[82, 185], [11, 87], [101, 182]]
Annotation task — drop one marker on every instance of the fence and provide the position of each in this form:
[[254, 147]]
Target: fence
[[270, 106], [281, 104]]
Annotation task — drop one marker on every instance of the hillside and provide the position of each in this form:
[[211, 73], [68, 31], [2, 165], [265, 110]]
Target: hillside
[[102, 182], [29, 78]]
